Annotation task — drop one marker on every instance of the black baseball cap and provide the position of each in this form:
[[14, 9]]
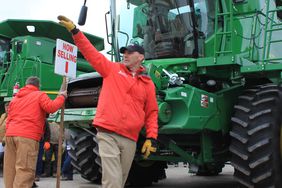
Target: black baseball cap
[[132, 48]]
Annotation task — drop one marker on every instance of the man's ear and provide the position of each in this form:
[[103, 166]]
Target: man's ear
[[141, 58]]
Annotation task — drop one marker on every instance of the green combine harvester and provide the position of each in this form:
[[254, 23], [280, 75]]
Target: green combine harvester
[[217, 67], [27, 48]]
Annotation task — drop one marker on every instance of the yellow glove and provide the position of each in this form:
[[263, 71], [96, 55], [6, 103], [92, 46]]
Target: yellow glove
[[150, 145], [67, 23]]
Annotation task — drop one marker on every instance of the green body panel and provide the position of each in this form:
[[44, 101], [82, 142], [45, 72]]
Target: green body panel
[[71, 117], [194, 110]]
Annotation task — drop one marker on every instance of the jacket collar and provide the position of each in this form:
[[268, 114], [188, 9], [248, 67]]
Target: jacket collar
[[138, 72]]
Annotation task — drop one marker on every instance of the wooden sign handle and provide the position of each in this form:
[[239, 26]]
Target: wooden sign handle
[[59, 162]]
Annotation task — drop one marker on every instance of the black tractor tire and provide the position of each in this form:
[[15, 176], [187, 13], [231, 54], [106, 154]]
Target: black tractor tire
[[144, 173], [256, 137], [83, 157]]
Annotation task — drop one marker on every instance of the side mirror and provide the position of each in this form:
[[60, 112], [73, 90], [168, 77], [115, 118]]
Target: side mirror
[[83, 14]]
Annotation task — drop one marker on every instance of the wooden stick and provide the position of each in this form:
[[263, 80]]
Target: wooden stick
[[59, 162]]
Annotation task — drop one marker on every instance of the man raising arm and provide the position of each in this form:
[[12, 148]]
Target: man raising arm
[[127, 102]]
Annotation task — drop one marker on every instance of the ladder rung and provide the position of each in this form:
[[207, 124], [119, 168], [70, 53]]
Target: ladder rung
[[224, 33], [273, 59], [275, 10], [275, 41], [223, 14], [274, 25], [224, 52], [277, 29]]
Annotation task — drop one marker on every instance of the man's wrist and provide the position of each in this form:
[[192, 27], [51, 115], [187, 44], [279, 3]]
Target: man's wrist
[[153, 141], [61, 94], [75, 30]]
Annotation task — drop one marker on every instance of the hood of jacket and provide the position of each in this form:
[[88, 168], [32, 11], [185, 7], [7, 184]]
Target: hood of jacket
[[26, 90]]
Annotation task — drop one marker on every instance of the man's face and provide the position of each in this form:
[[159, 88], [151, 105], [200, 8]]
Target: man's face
[[132, 60]]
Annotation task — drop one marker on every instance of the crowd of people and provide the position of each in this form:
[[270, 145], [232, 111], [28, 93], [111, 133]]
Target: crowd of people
[[48, 155]]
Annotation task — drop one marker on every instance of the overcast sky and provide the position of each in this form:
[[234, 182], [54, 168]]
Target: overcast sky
[[50, 9]]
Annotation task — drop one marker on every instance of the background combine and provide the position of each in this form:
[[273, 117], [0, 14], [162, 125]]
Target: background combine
[[27, 48]]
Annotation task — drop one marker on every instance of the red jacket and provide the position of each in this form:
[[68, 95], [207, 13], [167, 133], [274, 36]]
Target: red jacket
[[27, 112], [126, 102]]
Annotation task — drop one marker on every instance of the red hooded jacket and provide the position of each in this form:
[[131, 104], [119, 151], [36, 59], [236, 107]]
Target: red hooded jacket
[[126, 102], [27, 112]]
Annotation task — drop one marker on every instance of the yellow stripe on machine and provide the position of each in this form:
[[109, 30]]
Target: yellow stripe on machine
[[51, 92]]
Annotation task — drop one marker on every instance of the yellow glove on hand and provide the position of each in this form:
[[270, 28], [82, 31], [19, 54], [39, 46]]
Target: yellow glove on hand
[[150, 145], [67, 23]]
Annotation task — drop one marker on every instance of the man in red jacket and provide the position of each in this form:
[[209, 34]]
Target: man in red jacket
[[127, 102], [24, 129]]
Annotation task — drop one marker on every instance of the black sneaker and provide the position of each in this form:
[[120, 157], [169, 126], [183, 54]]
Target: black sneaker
[[37, 178], [66, 179], [34, 185], [45, 175]]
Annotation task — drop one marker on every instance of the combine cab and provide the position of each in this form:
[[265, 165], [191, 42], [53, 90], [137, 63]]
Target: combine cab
[[217, 69]]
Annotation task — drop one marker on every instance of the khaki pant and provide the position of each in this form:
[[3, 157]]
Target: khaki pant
[[20, 162], [117, 153]]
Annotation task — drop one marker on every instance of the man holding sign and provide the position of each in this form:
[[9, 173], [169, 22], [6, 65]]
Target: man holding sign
[[127, 103], [24, 129]]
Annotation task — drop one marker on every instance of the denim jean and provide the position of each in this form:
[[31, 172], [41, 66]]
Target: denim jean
[[39, 164], [67, 169]]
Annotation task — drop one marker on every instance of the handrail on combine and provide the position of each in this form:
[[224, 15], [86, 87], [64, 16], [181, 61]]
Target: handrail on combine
[[270, 26]]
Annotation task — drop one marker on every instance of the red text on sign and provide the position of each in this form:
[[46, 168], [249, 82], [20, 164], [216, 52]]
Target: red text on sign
[[66, 56], [68, 47], [67, 67]]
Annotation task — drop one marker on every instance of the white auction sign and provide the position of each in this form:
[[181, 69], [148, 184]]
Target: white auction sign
[[66, 59]]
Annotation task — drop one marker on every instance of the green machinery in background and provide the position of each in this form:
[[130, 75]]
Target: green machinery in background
[[217, 68], [27, 48]]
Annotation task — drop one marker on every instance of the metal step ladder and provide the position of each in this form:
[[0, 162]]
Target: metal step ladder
[[222, 37], [271, 25]]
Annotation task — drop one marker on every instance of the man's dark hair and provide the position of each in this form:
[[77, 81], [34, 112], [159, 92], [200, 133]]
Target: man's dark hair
[[33, 80]]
